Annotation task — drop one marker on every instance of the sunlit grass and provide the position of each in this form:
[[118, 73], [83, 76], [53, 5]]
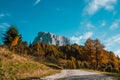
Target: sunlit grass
[[13, 66]]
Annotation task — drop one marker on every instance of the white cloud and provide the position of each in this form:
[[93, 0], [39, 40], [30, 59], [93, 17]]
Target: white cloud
[[112, 41], [115, 24], [78, 39], [117, 52], [36, 2], [95, 5], [87, 35]]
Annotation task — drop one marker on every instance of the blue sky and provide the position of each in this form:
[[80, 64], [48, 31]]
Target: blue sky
[[75, 19]]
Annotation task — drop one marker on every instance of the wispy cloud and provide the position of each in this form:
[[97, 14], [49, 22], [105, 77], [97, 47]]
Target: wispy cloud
[[95, 5], [117, 52], [112, 41], [36, 2], [2, 15], [115, 24], [87, 35], [103, 23], [4, 25], [75, 39], [87, 25]]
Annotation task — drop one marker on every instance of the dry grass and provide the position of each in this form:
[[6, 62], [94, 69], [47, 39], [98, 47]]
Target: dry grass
[[13, 66]]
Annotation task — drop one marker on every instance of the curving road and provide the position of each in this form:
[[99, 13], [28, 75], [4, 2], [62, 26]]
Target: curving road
[[78, 75]]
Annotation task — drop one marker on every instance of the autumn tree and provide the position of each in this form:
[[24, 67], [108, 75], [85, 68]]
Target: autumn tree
[[113, 62], [94, 52], [22, 47], [15, 41], [89, 53], [10, 35], [71, 64], [99, 50]]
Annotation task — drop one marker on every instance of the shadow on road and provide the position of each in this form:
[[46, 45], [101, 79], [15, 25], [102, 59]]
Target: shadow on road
[[85, 77], [88, 77]]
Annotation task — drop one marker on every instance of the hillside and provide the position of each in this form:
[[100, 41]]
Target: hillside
[[14, 66], [24, 59]]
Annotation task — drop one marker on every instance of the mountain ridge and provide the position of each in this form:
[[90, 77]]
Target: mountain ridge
[[50, 38]]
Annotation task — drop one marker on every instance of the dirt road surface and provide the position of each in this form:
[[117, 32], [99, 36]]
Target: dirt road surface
[[78, 75]]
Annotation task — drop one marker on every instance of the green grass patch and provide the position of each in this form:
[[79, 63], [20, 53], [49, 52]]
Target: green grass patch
[[115, 75]]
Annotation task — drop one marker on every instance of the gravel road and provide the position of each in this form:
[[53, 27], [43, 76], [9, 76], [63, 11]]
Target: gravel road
[[78, 75]]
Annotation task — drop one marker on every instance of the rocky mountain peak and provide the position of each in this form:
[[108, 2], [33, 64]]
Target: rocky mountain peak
[[49, 38]]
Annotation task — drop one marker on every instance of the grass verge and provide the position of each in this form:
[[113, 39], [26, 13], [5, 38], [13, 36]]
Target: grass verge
[[115, 75]]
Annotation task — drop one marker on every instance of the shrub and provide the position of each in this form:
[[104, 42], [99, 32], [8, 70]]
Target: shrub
[[109, 68]]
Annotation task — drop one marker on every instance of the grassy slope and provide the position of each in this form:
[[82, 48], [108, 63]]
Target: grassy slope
[[13, 66]]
